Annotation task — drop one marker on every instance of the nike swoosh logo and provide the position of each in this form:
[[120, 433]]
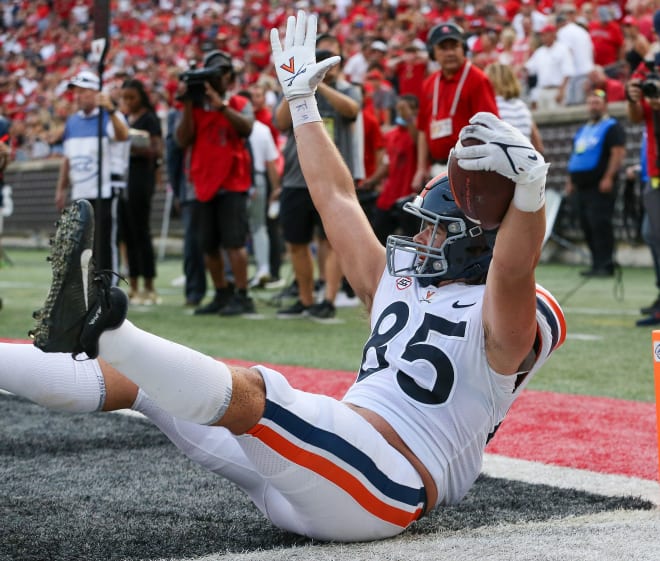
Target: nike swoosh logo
[[457, 305], [85, 258], [533, 157]]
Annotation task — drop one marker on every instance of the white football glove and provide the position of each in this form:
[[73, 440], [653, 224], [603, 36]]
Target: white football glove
[[296, 66], [508, 152]]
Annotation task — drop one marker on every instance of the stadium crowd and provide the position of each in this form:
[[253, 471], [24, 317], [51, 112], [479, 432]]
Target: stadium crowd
[[518, 55], [47, 42]]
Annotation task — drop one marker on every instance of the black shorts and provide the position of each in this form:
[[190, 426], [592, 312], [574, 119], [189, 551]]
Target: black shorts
[[223, 221], [298, 217]]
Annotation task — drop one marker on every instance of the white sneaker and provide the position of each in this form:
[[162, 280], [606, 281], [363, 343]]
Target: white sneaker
[[260, 279]]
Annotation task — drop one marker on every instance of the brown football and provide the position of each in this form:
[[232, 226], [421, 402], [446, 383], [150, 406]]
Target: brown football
[[483, 196]]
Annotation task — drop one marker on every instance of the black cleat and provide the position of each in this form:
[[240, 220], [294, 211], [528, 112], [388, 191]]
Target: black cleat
[[109, 312], [80, 300]]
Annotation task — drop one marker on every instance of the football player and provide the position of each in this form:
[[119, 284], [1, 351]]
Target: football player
[[459, 327]]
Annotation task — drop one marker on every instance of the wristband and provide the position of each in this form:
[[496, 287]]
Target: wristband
[[529, 195], [304, 110]]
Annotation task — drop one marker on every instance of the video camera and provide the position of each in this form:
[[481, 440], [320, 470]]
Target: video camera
[[216, 63], [195, 78]]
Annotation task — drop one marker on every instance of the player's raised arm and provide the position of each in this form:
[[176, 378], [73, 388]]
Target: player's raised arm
[[509, 309], [330, 183]]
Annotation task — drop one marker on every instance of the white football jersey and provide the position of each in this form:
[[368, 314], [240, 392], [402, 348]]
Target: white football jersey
[[424, 370]]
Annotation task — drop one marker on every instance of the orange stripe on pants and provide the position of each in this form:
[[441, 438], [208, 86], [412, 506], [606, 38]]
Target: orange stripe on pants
[[332, 472]]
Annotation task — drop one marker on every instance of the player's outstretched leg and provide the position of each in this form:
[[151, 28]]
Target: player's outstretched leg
[[81, 303], [82, 308]]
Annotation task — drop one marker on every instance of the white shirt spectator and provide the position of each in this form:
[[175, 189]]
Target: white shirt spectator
[[263, 147], [80, 13], [578, 40], [551, 65], [355, 68]]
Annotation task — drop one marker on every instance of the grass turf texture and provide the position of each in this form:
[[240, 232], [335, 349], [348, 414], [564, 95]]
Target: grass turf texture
[[112, 487], [605, 354]]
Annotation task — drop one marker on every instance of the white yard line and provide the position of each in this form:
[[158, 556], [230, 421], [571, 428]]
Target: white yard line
[[569, 478]]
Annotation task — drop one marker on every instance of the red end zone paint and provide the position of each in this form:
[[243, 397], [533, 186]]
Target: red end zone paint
[[593, 433]]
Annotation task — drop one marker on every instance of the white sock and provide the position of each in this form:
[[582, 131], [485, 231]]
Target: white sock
[[53, 380], [184, 382]]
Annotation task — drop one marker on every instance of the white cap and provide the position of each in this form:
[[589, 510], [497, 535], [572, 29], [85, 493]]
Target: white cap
[[379, 46], [85, 79], [417, 42]]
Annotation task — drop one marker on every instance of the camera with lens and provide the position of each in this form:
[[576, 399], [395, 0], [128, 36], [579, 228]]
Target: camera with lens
[[651, 85], [216, 63], [195, 78]]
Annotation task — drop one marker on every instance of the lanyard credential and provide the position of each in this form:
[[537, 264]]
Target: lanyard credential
[[457, 94]]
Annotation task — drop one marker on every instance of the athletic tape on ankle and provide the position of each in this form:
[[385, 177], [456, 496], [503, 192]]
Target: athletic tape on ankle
[[304, 110]]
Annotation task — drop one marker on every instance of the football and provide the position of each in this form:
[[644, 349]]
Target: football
[[483, 196]]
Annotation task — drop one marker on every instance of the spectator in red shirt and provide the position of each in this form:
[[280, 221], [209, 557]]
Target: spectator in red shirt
[[215, 130], [410, 69], [450, 97], [383, 96], [607, 38], [374, 141], [485, 49], [598, 80], [397, 171]]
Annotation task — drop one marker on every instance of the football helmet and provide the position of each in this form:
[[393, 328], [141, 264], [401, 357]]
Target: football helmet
[[464, 254]]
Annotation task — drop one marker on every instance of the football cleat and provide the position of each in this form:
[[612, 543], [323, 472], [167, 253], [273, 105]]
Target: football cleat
[[81, 303]]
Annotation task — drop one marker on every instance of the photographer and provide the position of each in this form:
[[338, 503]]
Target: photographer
[[215, 127], [643, 94]]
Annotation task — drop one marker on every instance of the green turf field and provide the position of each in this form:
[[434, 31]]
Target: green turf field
[[605, 353]]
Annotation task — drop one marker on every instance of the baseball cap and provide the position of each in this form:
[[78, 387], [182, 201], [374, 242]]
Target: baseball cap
[[85, 79], [549, 28], [379, 46], [444, 31], [629, 20], [598, 92], [375, 74]]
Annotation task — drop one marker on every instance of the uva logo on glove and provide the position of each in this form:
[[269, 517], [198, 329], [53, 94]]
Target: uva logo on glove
[[484, 196], [291, 68]]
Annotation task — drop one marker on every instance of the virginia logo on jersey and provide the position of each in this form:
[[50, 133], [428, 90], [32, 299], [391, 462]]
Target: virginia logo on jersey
[[403, 282], [427, 298]]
